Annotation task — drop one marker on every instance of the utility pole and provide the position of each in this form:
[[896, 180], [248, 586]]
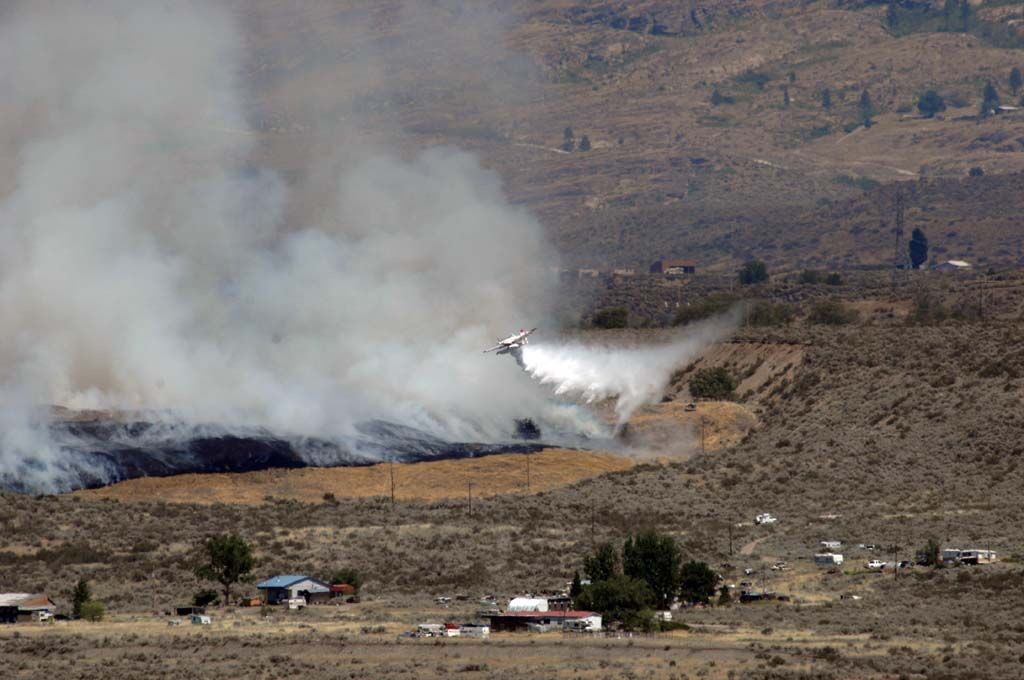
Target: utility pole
[[895, 561], [703, 421], [471, 498], [391, 471], [900, 252], [527, 473], [730, 539], [593, 522]]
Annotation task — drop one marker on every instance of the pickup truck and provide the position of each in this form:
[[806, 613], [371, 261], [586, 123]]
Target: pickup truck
[[876, 564]]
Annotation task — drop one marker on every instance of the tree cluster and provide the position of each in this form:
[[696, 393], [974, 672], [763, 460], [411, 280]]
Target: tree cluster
[[713, 383], [753, 271], [648, 573]]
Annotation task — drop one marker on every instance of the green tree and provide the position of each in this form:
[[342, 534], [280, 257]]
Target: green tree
[[965, 15], [918, 248], [765, 313], [697, 582], [568, 139], [81, 594], [1016, 80], [577, 586], [225, 559], [204, 597], [753, 271], [930, 103], [785, 97], [348, 575], [613, 317], [93, 610], [951, 15], [654, 559], [724, 596], [892, 17], [712, 383], [826, 99], [603, 564], [584, 143], [717, 98], [930, 555], [866, 109], [621, 598], [989, 100], [834, 279]]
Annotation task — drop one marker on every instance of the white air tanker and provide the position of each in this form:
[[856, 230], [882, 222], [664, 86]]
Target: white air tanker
[[512, 342]]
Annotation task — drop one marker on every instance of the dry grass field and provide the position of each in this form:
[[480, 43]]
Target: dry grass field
[[428, 481]]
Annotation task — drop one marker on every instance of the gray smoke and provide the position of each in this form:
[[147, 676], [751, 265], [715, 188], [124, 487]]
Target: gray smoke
[[147, 263]]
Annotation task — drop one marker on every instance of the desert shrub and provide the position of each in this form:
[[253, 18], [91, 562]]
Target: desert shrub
[[764, 313], [93, 611], [705, 308], [809, 276], [613, 317], [713, 383], [831, 313], [929, 554], [753, 271], [927, 308], [834, 279]]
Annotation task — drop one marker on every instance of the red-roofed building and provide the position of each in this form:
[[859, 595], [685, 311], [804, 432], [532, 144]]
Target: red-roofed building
[[544, 621]]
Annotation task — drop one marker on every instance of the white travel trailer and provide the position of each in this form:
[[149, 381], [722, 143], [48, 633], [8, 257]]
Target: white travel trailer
[[828, 559]]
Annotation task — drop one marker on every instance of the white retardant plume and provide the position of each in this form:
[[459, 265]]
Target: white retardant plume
[[633, 376], [146, 263]]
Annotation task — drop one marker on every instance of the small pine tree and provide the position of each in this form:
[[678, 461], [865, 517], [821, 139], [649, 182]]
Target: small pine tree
[[785, 97], [1016, 80], [989, 100], [716, 97], [918, 248], [930, 103], [892, 17], [584, 143], [826, 99], [866, 110], [80, 596], [950, 15], [577, 586], [965, 15], [724, 596], [931, 554], [568, 139]]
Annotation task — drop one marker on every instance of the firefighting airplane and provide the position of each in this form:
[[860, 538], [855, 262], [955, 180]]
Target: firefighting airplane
[[512, 342]]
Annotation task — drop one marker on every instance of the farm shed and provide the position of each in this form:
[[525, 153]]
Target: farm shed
[[290, 586], [24, 607]]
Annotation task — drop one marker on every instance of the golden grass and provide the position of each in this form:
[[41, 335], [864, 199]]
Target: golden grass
[[435, 480]]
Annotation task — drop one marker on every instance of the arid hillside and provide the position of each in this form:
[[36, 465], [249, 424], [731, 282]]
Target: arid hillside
[[717, 130]]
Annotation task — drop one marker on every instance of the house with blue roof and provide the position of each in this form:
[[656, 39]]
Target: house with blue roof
[[294, 586]]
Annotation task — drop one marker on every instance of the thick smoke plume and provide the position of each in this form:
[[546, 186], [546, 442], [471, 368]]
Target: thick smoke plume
[[154, 260], [634, 377]]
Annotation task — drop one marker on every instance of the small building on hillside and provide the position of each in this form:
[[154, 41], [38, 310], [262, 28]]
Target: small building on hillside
[[674, 267], [952, 266], [25, 607], [545, 621], [292, 586]]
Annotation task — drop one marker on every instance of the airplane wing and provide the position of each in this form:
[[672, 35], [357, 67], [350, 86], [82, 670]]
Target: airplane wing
[[498, 346]]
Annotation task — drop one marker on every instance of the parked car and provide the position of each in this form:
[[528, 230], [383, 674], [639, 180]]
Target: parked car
[[748, 571], [765, 518], [905, 564], [876, 564]]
